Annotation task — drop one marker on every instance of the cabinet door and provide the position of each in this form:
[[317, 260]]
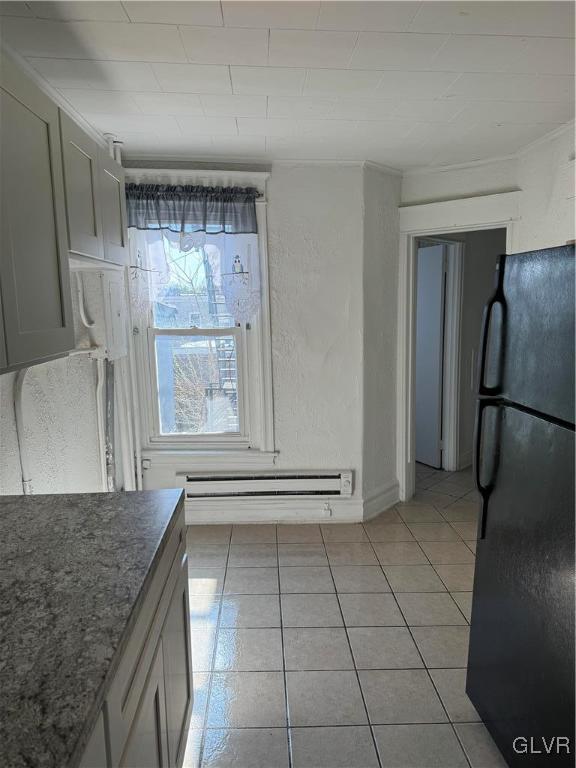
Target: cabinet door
[[34, 273], [178, 667], [146, 746], [82, 190], [113, 199]]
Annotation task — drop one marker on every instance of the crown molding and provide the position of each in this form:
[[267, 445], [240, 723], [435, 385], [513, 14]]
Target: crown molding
[[550, 136]]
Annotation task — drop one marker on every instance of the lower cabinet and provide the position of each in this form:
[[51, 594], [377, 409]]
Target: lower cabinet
[[177, 670], [147, 745], [148, 705]]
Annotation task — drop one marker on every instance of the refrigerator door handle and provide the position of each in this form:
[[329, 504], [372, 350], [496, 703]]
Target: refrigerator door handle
[[483, 389], [484, 489]]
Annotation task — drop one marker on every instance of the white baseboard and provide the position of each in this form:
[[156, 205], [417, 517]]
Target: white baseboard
[[303, 509], [383, 498]]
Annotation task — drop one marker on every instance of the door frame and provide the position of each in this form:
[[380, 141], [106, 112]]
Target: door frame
[[454, 252], [498, 211]]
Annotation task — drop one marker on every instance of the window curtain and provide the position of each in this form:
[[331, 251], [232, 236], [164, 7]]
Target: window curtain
[[203, 253], [189, 208]]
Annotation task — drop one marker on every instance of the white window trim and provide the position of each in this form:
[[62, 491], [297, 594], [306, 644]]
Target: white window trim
[[257, 431]]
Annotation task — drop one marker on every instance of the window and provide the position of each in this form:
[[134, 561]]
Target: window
[[198, 350], [204, 379]]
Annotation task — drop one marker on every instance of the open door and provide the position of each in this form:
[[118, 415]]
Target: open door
[[430, 299]]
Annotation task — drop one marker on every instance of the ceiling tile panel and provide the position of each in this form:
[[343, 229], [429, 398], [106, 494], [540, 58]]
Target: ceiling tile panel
[[208, 126], [168, 103], [495, 87], [414, 85], [279, 106], [479, 53], [520, 112], [193, 78], [275, 127], [99, 75], [495, 18], [267, 80], [203, 13], [150, 124], [79, 10], [225, 46], [545, 55], [236, 106], [376, 16], [435, 111], [335, 82], [130, 42], [33, 37], [297, 48], [381, 50], [352, 108], [275, 15], [105, 102]]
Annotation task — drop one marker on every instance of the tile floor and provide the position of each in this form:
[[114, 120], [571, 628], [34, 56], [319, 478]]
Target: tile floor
[[338, 645]]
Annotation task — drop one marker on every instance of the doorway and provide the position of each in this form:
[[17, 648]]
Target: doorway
[[454, 276]]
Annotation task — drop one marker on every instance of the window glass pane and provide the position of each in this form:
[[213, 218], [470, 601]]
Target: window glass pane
[[197, 384], [186, 282]]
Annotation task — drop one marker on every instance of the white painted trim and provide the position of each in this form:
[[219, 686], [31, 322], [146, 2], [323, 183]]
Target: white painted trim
[[451, 376], [202, 176], [213, 460], [498, 211], [255, 366], [303, 509], [461, 215], [382, 499]]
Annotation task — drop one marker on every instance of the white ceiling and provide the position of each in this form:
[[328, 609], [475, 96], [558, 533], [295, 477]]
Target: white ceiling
[[401, 83]]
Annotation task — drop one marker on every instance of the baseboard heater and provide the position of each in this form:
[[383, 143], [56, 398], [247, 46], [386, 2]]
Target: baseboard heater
[[271, 485]]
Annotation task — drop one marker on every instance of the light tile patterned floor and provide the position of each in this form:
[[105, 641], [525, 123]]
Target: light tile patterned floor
[[338, 646]]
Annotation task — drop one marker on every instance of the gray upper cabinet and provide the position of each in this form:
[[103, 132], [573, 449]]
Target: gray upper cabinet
[[82, 190], [113, 210], [34, 272]]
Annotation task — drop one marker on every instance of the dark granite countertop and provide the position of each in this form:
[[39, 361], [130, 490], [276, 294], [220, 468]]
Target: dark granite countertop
[[74, 570]]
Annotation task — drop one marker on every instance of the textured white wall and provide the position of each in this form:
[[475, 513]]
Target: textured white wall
[[543, 173], [59, 406], [546, 178], [60, 429], [380, 290], [315, 256]]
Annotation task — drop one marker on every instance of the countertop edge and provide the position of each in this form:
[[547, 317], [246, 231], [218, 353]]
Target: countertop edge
[[84, 737]]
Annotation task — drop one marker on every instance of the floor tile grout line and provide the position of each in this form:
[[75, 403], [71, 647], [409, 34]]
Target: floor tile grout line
[[213, 657], [428, 671], [374, 742], [283, 728], [284, 675], [425, 667]]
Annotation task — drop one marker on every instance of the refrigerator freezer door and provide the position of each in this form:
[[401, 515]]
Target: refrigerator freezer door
[[521, 658], [530, 358]]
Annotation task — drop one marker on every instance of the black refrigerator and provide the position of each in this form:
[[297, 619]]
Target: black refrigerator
[[521, 658]]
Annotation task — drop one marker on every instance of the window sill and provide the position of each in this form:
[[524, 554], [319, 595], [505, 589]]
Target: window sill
[[189, 460]]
